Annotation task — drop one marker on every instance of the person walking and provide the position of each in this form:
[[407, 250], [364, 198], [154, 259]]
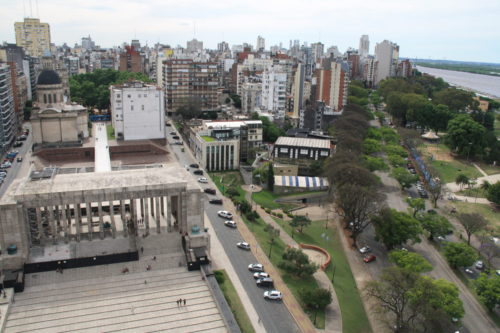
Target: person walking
[[184, 302], [142, 249], [177, 301]]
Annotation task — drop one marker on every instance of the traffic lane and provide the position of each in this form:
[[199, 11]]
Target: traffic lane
[[274, 315], [16, 166]]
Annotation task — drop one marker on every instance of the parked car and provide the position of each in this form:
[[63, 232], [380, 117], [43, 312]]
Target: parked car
[[5, 165], [173, 133], [243, 245], [265, 282], [369, 258], [18, 144], [19, 159], [215, 201], [230, 224], [198, 172], [256, 268], [203, 180], [22, 138], [168, 124], [365, 249], [469, 271], [225, 214], [210, 191], [273, 295], [179, 143], [194, 165], [176, 137], [261, 275], [479, 264]]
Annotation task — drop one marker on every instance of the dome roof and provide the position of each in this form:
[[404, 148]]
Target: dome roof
[[48, 76]]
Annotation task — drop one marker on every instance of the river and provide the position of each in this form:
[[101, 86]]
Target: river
[[482, 84]]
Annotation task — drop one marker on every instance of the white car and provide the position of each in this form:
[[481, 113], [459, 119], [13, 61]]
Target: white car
[[261, 275], [479, 264], [203, 180], [225, 214], [273, 295], [365, 249], [256, 267], [243, 245], [469, 271], [230, 224]]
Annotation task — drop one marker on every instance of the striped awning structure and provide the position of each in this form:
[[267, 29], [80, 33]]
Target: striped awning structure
[[312, 183]]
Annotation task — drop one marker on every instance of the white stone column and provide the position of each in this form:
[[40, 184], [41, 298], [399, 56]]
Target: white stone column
[[133, 214], [52, 222], [162, 207], [123, 214], [64, 222], [101, 220], [90, 229], [77, 222], [169, 214], [158, 215], [38, 214], [146, 214], [112, 216]]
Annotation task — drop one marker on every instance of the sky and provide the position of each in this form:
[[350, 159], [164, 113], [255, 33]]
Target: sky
[[438, 29]]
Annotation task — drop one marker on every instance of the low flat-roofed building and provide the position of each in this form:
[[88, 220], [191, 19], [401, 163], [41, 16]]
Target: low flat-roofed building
[[301, 151], [287, 184]]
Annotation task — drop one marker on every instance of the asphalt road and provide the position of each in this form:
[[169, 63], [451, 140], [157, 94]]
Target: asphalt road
[[274, 316], [16, 166]]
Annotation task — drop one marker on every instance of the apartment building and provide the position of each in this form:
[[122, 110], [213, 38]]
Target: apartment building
[[274, 92], [387, 55], [185, 80], [8, 120], [137, 111], [332, 84], [33, 36]]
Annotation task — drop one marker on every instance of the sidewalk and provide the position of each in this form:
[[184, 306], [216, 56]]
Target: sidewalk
[[302, 320], [333, 318]]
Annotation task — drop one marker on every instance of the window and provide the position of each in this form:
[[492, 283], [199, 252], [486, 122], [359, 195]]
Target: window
[[129, 96], [118, 95], [142, 107], [324, 153], [145, 95], [284, 150], [131, 108], [303, 152]]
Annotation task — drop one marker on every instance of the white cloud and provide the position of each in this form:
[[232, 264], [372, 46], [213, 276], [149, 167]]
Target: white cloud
[[456, 29]]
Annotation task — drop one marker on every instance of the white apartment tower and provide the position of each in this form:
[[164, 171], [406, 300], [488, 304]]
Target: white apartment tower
[[137, 111], [387, 55], [298, 91], [364, 46], [274, 91], [261, 43], [33, 36], [8, 121]]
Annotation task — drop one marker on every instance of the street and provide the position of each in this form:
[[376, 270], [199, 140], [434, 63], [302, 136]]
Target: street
[[274, 316]]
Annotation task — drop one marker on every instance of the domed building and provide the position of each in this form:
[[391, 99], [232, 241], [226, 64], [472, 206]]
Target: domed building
[[55, 120]]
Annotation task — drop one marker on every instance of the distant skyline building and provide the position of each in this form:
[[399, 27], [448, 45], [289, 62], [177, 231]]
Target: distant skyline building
[[364, 46], [88, 43], [33, 36], [298, 91], [387, 55], [194, 45], [261, 43]]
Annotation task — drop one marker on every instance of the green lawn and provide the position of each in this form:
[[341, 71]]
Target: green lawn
[[449, 170], [225, 180], [234, 302], [488, 168], [475, 192], [110, 131], [485, 210], [278, 248], [266, 199], [354, 319], [207, 138]]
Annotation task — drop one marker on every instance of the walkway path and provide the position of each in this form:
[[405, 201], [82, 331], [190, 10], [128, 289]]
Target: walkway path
[[480, 170], [333, 319], [102, 158]]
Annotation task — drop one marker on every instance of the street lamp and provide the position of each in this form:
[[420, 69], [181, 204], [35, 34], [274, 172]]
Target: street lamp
[[271, 247]]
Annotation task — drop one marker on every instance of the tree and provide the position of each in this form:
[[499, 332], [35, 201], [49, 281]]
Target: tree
[[441, 295], [410, 260], [459, 254], [316, 299], [236, 101], [405, 179], [395, 228], [465, 136], [489, 250], [232, 192], [435, 188], [472, 223], [297, 263], [371, 146], [462, 180], [435, 224], [494, 193], [300, 221], [416, 205], [190, 108], [270, 177], [273, 233], [456, 99], [485, 185], [488, 290], [357, 205]]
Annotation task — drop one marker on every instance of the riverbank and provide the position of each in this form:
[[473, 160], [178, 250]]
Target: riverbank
[[492, 70]]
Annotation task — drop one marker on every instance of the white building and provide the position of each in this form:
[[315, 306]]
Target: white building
[[274, 82], [137, 111], [387, 55], [364, 46], [194, 46]]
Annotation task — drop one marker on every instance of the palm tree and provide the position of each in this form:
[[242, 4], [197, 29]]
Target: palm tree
[[485, 185], [462, 180]]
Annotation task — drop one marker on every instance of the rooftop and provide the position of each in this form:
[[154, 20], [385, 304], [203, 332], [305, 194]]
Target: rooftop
[[302, 142]]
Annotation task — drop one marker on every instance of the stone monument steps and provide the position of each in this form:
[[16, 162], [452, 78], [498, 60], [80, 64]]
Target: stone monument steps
[[102, 316], [82, 304], [133, 289], [209, 325], [109, 282]]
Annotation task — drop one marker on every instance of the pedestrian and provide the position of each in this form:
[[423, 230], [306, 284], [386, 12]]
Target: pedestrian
[[142, 250], [184, 302], [148, 267], [177, 301], [180, 301], [154, 258], [145, 282]]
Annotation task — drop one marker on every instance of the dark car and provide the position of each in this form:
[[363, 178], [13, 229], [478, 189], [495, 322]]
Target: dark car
[[194, 165], [176, 137], [168, 124], [215, 201], [198, 172], [173, 133], [209, 190], [18, 144], [265, 282]]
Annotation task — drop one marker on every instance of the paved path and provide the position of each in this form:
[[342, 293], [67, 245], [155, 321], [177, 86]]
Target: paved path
[[480, 170], [333, 315], [102, 158]]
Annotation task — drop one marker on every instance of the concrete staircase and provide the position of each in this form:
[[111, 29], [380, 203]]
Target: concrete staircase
[[132, 302]]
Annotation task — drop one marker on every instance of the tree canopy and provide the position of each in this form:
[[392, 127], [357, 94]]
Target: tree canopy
[[297, 263], [92, 89], [410, 260], [395, 228], [488, 290], [465, 136], [459, 254], [494, 193]]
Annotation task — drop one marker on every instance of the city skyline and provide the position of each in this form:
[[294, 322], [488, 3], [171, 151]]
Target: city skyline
[[421, 30]]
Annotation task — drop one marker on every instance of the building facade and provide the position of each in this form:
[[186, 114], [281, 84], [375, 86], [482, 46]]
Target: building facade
[[8, 121], [300, 151], [387, 56], [364, 46], [131, 60], [274, 83], [137, 111], [33, 36], [188, 81]]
